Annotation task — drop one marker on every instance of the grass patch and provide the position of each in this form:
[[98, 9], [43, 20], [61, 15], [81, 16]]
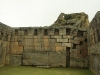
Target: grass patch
[[29, 70]]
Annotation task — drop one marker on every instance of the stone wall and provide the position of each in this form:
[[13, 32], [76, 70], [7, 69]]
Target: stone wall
[[5, 36], [42, 41], [94, 44]]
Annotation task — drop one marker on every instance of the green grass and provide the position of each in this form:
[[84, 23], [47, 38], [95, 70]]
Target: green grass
[[29, 70]]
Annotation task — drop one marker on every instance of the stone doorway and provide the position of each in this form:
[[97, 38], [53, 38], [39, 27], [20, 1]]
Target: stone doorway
[[67, 56]]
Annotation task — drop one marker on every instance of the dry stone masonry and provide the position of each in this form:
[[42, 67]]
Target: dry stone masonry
[[69, 42], [54, 46], [5, 36], [94, 44]]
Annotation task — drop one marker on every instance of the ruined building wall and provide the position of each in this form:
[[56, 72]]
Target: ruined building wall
[[94, 44], [54, 46], [5, 35], [63, 44]]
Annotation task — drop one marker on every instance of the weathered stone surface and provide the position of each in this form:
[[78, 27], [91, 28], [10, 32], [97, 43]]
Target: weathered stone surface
[[17, 50], [4, 44], [47, 48], [94, 44], [75, 19], [46, 37], [52, 40], [15, 60], [67, 37], [46, 40], [56, 36], [27, 48], [34, 58], [76, 42], [28, 37], [62, 40], [1, 63], [20, 32], [45, 44], [73, 55], [28, 62], [59, 49], [58, 44], [7, 59], [62, 31], [36, 44], [54, 59], [0, 43], [67, 44], [78, 63], [58, 59]]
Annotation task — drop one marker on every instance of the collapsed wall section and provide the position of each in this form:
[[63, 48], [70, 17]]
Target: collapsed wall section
[[79, 20], [94, 44]]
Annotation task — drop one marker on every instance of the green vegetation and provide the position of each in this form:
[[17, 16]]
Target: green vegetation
[[29, 70]]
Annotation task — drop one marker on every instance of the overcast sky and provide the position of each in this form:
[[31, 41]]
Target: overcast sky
[[26, 13]]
